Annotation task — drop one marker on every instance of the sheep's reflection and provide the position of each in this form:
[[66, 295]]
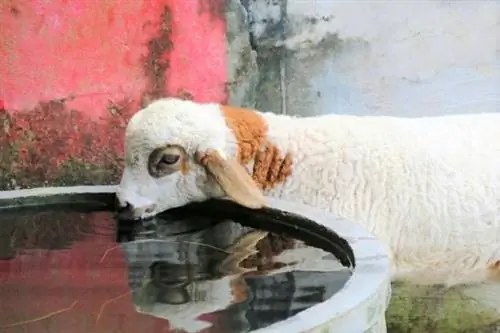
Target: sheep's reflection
[[220, 276]]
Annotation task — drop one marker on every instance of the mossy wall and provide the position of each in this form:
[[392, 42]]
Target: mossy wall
[[434, 309]]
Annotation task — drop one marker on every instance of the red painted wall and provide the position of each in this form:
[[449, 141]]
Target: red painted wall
[[73, 72], [71, 75]]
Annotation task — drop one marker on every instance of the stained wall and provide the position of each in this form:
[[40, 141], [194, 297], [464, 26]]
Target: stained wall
[[73, 72]]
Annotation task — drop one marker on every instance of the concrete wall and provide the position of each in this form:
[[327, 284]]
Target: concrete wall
[[412, 58]]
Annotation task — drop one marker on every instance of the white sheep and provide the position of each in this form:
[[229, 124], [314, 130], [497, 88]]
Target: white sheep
[[428, 187]]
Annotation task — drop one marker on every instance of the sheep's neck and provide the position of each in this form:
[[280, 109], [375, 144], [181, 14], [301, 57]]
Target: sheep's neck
[[266, 163], [269, 167]]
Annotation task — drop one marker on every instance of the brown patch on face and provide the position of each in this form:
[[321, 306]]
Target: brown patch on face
[[250, 130]]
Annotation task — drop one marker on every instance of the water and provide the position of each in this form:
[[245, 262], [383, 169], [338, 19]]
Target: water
[[75, 269]]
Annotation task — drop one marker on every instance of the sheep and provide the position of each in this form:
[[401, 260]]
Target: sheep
[[427, 188]]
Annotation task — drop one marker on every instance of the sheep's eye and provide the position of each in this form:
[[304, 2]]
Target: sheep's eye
[[164, 161], [169, 159]]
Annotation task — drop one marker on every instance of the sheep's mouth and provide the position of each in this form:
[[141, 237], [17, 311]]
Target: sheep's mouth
[[125, 214], [125, 211]]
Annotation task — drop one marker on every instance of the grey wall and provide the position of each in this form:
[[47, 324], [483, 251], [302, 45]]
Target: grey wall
[[416, 58]]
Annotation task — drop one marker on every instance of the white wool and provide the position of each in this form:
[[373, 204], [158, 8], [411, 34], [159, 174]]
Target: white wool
[[428, 187]]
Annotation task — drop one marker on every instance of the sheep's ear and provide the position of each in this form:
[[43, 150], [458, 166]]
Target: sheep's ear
[[233, 179], [244, 247]]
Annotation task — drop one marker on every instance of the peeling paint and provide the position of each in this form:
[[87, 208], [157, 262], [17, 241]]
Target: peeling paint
[[155, 63], [63, 112], [216, 8], [57, 145]]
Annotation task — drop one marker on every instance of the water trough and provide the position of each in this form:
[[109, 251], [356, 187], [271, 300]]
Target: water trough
[[218, 267]]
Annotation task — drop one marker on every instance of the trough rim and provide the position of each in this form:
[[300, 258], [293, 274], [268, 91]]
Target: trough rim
[[368, 287]]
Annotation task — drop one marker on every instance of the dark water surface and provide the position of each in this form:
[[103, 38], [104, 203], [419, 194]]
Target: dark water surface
[[77, 270]]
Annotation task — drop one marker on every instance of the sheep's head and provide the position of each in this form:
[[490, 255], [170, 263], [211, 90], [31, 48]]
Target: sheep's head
[[177, 152]]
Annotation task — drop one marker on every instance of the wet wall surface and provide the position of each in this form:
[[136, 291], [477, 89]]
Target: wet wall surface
[[73, 73]]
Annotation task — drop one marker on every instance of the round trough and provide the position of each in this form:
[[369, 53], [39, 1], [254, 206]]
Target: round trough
[[205, 267]]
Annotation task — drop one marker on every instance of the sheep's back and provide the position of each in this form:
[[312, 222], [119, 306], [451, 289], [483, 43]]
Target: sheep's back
[[427, 187]]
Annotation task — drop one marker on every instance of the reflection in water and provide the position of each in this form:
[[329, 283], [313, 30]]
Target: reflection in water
[[46, 230], [61, 270], [205, 275]]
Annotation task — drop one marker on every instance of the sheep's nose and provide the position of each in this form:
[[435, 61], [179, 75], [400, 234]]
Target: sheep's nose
[[127, 211], [119, 203]]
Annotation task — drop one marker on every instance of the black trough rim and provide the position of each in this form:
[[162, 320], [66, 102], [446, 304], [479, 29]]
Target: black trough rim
[[294, 225]]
